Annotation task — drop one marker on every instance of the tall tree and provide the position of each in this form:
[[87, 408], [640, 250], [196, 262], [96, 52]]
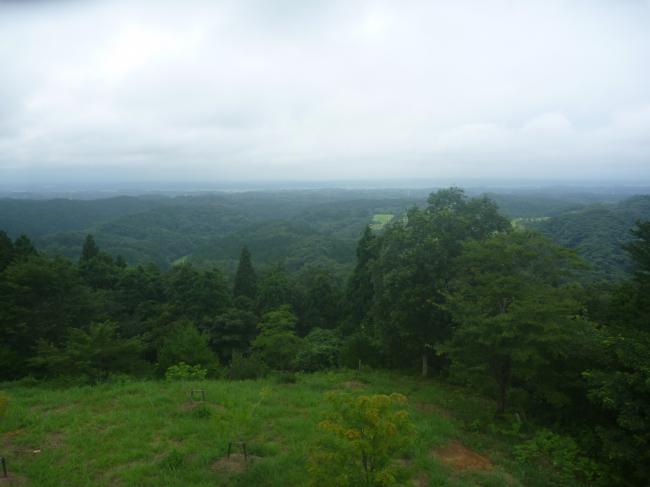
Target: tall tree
[[6, 250], [359, 292], [90, 249], [514, 318], [245, 278], [415, 265]]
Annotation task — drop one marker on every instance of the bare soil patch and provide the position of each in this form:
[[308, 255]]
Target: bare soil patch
[[459, 457], [12, 479]]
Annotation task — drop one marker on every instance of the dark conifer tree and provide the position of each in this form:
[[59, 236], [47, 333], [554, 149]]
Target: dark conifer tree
[[23, 247], [6, 250], [245, 279], [90, 248]]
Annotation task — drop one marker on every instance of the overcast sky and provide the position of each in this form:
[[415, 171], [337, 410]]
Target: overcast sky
[[298, 89]]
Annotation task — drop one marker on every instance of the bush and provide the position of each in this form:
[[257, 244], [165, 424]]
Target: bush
[[321, 351], [562, 454], [184, 371], [243, 367], [185, 343], [368, 432]]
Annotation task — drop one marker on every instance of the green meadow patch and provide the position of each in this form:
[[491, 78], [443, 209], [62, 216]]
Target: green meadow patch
[[159, 434], [380, 220]]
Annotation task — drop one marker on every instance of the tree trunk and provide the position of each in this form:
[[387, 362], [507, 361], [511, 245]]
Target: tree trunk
[[425, 364]]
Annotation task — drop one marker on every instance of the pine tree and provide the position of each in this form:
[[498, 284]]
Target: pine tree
[[245, 279], [90, 248]]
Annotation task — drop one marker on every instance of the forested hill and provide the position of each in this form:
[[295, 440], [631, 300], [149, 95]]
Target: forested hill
[[294, 227], [297, 228], [597, 233]]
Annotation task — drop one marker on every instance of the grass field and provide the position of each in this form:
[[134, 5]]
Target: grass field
[[152, 434], [380, 220]]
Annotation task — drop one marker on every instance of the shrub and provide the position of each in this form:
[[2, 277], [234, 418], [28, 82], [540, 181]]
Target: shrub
[[367, 431], [562, 453], [184, 371], [247, 367], [321, 351], [185, 343]]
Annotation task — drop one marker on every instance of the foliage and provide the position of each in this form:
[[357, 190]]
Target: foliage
[[514, 317], [93, 353], [183, 371], [321, 350], [185, 343], [277, 342], [245, 278], [562, 454], [370, 430], [415, 265], [247, 367]]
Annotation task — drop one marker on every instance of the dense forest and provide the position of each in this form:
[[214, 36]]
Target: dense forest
[[232, 286]]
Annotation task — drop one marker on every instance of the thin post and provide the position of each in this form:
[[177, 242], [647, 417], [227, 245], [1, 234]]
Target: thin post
[[4, 466]]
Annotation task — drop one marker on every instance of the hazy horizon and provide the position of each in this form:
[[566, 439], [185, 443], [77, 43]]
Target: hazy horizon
[[141, 92]]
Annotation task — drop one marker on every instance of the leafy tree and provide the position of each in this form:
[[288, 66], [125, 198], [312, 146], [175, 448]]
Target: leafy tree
[[359, 292], [620, 386], [370, 431], [94, 353], [277, 342], [319, 305], [196, 295], [231, 331], [40, 298], [185, 343], [275, 290], [23, 247], [322, 349], [245, 278], [414, 268], [514, 317]]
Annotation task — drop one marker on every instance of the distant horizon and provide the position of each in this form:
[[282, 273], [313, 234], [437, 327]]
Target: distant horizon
[[144, 187]]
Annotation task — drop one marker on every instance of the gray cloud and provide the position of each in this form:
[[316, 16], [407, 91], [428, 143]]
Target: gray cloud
[[294, 89]]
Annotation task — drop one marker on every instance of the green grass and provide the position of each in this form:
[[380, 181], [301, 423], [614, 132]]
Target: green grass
[[380, 220], [151, 434]]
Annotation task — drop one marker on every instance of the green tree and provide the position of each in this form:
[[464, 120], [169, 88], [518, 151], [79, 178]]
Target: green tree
[[6, 250], [414, 267], [40, 298], [23, 247], [277, 341], [245, 278], [231, 331], [619, 386], [359, 292], [514, 316], [371, 430], [93, 353], [90, 249], [275, 290], [185, 343]]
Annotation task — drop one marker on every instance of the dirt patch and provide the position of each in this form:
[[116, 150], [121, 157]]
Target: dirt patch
[[235, 463], [459, 457], [352, 384]]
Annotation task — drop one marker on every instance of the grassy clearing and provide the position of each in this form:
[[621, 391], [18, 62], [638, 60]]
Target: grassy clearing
[[153, 434], [380, 220]]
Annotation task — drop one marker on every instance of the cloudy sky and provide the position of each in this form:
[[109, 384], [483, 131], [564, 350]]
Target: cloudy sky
[[204, 90]]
